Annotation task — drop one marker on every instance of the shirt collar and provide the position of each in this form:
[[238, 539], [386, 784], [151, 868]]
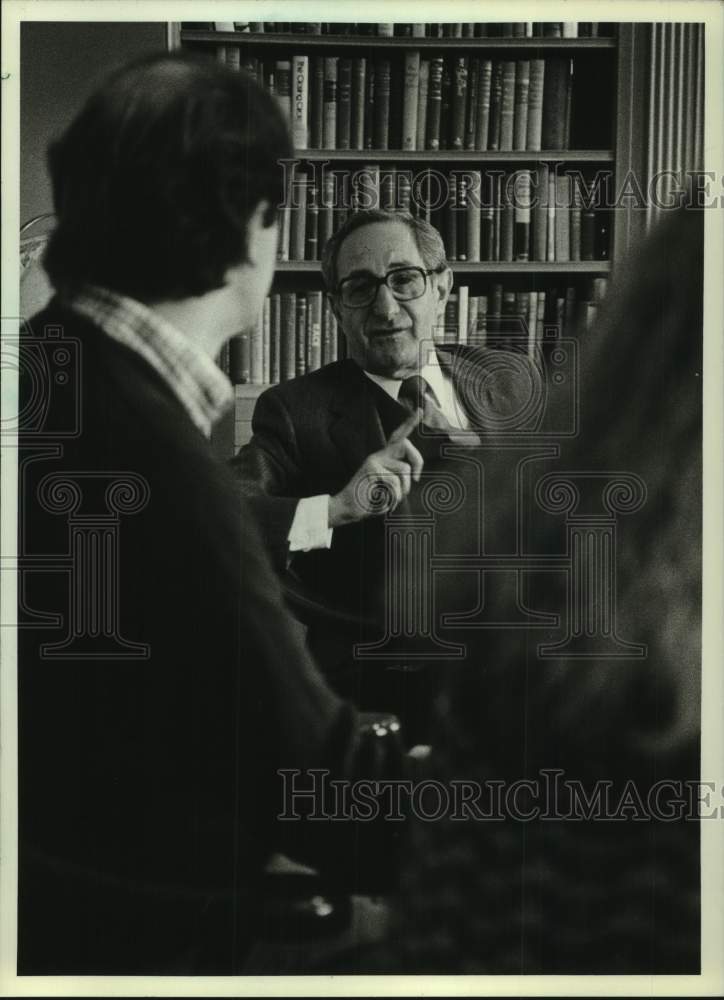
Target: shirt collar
[[200, 386], [431, 372]]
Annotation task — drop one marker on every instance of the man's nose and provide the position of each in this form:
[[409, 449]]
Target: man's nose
[[385, 303]]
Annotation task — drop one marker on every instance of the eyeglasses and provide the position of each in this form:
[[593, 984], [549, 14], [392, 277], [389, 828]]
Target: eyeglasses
[[405, 283]]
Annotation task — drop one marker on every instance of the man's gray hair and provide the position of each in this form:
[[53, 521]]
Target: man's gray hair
[[427, 240]]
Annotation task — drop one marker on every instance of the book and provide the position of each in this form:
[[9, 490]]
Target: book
[[471, 113], [283, 79], [535, 104], [539, 215], [410, 99], [388, 189], [256, 341], [487, 220], [459, 102], [424, 82], [555, 88], [507, 106], [463, 314], [551, 211], [473, 304], [326, 209], [451, 219], [532, 323], [311, 227], [507, 225], [522, 93], [369, 106], [381, 128], [588, 233], [446, 105], [233, 57], [329, 118], [300, 365], [288, 340], [275, 320], [266, 342], [483, 114], [461, 213], [239, 359], [298, 229], [473, 216], [359, 76], [434, 103], [563, 208], [329, 333], [344, 104], [522, 215], [575, 219], [496, 93], [314, 331], [300, 110], [316, 102], [367, 187]]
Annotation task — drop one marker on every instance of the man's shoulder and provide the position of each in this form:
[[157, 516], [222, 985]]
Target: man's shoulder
[[316, 387]]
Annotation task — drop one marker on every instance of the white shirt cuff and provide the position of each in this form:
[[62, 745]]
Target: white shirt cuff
[[310, 527]]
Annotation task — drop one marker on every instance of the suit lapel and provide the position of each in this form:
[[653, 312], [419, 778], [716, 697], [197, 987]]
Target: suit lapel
[[356, 428]]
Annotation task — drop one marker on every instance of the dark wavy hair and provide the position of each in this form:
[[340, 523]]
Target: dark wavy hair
[[155, 179]]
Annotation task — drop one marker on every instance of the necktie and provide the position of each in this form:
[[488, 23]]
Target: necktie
[[415, 393]]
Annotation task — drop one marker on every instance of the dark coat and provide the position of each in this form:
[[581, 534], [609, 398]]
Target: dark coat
[[148, 785]]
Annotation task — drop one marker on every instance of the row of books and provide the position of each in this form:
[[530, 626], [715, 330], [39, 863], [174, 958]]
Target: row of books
[[452, 29], [525, 215], [416, 103], [298, 333], [519, 320]]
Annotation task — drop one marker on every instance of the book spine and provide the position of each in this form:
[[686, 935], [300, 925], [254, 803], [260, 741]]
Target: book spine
[[382, 104], [507, 230], [404, 190], [451, 219], [422, 104], [359, 75], [317, 103], [563, 209], [551, 228], [257, 352], [329, 334], [481, 326], [326, 211], [369, 125], [472, 330], [535, 104], [311, 236], [532, 322], [239, 359], [487, 222], [522, 93], [473, 216], [367, 187], [314, 331], [555, 86], [283, 70], [410, 99], [483, 115], [588, 234], [461, 214], [329, 126], [471, 114], [446, 105], [300, 109], [459, 102], [233, 57], [275, 334], [285, 221], [540, 213], [388, 190], [298, 234], [301, 335], [575, 221], [521, 236], [344, 104], [287, 348], [266, 342], [496, 93], [434, 103], [463, 314], [507, 106]]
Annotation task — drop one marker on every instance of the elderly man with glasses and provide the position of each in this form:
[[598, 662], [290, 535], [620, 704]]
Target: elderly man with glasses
[[334, 451]]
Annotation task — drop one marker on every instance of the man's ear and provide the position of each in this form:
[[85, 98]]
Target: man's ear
[[258, 232], [443, 283]]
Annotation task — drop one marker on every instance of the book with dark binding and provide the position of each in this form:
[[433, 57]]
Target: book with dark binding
[[369, 106], [298, 237], [311, 235], [507, 106], [459, 102], [326, 209], [563, 218], [471, 113], [460, 210], [473, 215], [424, 84], [522, 91], [381, 133], [240, 359], [496, 93], [316, 103], [283, 80], [535, 104], [329, 117], [359, 75], [275, 328], [344, 103], [555, 89], [446, 105], [522, 215], [434, 103], [300, 364], [451, 219], [483, 116]]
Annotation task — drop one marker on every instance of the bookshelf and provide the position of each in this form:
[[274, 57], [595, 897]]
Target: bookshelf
[[604, 134]]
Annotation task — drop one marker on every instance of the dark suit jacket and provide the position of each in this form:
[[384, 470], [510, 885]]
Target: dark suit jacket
[[311, 434], [148, 786]]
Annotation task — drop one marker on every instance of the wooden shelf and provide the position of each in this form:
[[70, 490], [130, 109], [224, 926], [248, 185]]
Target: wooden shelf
[[287, 39], [479, 267], [458, 155]]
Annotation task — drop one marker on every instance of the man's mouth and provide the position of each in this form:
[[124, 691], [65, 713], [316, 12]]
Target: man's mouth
[[387, 333]]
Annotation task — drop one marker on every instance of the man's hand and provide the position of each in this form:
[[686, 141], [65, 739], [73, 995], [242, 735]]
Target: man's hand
[[383, 479]]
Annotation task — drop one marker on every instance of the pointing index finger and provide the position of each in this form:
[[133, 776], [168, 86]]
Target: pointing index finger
[[406, 427]]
